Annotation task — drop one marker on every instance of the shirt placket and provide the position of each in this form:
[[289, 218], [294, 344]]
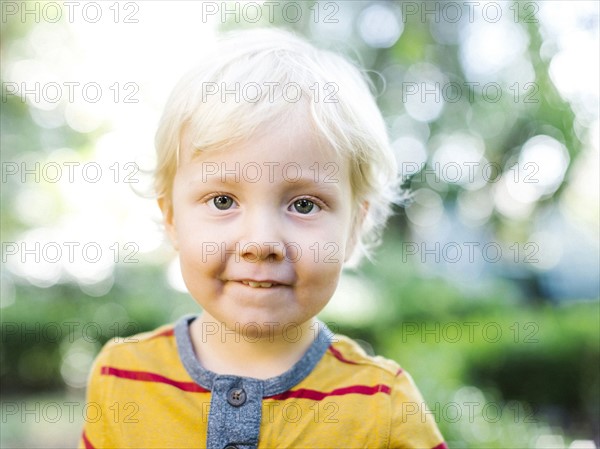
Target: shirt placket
[[235, 413]]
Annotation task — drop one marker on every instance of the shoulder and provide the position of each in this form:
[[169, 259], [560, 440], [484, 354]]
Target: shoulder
[[161, 337], [345, 364], [144, 351], [344, 350], [411, 424], [346, 359]]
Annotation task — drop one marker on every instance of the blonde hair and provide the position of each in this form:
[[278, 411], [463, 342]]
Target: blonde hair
[[342, 110]]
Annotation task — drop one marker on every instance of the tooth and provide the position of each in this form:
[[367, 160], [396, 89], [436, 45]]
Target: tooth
[[265, 284], [254, 284]]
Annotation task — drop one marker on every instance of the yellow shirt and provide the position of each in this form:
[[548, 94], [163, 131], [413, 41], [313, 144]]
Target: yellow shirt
[[147, 392]]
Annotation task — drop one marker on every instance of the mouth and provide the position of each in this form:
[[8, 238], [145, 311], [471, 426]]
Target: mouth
[[259, 284]]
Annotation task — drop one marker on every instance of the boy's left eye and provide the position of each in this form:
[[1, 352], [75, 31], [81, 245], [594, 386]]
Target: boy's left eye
[[222, 202], [305, 206]]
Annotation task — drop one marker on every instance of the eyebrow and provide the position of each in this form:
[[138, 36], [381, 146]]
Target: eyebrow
[[237, 176], [308, 181], [305, 182]]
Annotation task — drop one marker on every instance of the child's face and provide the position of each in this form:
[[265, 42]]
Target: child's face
[[274, 208]]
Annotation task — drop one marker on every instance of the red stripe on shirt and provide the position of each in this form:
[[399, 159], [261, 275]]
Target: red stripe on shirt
[[152, 377], [338, 355], [166, 333], [442, 445], [86, 442], [320, 395]]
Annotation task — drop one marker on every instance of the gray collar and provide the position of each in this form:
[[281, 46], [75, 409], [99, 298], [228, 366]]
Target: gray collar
[[271, 386]]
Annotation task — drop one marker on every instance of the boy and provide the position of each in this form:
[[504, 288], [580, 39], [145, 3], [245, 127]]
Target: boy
[[273, 170]]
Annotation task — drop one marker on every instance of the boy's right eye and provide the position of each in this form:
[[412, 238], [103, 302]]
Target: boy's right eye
[[223, 202]]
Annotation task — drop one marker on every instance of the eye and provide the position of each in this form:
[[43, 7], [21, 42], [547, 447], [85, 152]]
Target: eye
[[305, 206], [223, 202]]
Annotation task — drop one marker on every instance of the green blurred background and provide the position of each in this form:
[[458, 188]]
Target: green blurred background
[[486, 286]]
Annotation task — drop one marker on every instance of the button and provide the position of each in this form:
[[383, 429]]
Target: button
[[231, 446], [236, 396]]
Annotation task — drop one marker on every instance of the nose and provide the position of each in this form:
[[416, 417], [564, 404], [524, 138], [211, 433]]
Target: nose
[[262, 238]]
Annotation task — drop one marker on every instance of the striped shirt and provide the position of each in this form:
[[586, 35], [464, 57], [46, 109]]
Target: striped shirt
[[150, 391]]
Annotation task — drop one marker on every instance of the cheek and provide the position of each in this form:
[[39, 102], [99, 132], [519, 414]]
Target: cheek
[[201, 274], [325, 246], [200, 254], [320, 273], [193, 232], [203, 260]]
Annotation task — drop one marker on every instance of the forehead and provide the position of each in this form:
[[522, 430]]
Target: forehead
[[291, 144]]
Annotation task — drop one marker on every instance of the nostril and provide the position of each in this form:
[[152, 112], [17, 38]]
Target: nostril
[[267, 251]]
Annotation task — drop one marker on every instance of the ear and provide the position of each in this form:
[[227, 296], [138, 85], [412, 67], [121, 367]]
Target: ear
[[166, 207], [357, 221]]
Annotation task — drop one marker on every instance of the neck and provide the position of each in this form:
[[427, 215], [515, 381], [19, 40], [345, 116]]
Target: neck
[[262, 355]]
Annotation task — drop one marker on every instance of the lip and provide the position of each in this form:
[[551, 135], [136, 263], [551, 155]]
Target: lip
[[262, 283]]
